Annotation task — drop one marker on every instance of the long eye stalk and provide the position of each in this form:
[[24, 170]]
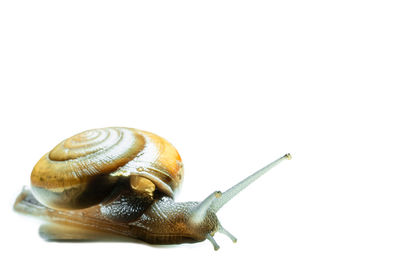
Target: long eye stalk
[[234, 190]]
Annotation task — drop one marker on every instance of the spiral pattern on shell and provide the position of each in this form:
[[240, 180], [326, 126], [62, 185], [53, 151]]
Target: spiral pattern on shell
[[82, 170]]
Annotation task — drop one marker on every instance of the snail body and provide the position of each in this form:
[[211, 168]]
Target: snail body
[[122, 181]]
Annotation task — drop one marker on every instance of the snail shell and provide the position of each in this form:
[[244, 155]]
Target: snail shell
[[82, 170]]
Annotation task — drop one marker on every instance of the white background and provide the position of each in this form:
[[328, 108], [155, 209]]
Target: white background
[[233, 85]]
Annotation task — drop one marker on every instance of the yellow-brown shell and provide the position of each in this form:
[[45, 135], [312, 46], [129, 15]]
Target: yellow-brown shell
[[83, 169]]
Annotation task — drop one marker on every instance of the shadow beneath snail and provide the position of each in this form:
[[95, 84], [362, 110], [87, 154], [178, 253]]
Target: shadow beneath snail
[[64, 233], [61, 233]]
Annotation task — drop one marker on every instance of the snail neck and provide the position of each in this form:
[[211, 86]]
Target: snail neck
[[168, 222]]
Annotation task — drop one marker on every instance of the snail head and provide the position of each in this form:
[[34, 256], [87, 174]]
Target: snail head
[[203, 217]]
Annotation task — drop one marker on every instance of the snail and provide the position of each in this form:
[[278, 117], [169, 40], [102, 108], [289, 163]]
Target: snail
[[122, 181]]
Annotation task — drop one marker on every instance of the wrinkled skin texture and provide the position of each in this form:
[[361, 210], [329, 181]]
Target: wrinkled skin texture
[[163, 222]]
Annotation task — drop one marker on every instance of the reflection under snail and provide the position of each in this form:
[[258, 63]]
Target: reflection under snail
[[120, 182]]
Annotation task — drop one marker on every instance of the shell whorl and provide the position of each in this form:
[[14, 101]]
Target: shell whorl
[[82, 170]]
